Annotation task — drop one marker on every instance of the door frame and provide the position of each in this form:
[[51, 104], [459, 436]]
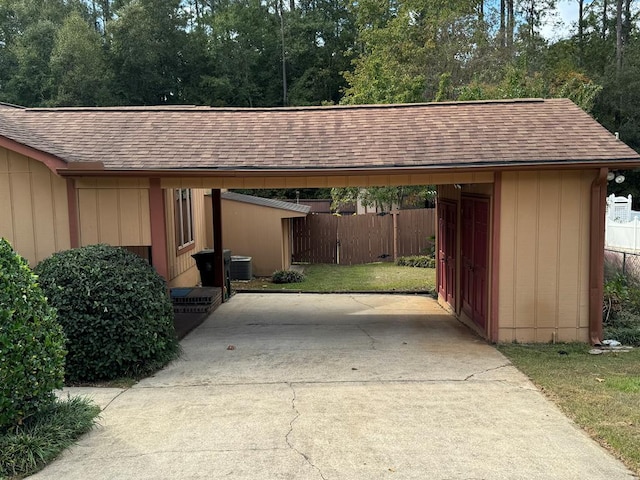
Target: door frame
[[447, 250]]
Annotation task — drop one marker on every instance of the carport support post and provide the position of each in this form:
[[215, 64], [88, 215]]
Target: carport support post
[[218, 257], [158, 229]]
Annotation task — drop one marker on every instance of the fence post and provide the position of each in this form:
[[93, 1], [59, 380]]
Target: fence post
[[394, 215], [624, 263]]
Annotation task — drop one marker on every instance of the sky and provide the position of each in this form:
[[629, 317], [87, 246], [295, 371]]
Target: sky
[[567, 14]]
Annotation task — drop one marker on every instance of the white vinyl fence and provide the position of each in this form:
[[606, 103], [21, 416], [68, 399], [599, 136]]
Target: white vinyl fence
[[622, 231]]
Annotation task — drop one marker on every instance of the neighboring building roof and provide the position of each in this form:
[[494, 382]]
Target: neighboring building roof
[[435, 136], [319, 205], [9, 105], [265, 202]]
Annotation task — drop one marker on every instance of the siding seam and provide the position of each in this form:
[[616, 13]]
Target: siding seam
[[33, 213]]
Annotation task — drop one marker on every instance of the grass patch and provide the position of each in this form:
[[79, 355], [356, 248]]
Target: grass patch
[[27, 448], [601, 393], [373, 277]]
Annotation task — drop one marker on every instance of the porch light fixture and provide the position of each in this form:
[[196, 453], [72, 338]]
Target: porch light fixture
[[615, 176]]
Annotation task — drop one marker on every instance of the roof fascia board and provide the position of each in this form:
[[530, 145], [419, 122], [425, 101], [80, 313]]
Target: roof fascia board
[[53, 163], [339, 172]]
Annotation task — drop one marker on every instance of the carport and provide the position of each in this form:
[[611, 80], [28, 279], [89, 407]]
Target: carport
[[521, 187]]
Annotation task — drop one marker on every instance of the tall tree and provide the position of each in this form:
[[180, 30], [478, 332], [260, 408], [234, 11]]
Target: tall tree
[[244, 66], [404, 54], [27, 34], [79, 73], [147, 48]]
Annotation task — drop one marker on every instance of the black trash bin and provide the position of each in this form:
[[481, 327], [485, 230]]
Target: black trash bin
[[205, 260]]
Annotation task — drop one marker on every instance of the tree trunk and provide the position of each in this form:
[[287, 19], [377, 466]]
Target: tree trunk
[[510, 23], [581, 32], [284, 58], [619, 47], [603, 33], [619, 36], [502, 33], [626, 23]]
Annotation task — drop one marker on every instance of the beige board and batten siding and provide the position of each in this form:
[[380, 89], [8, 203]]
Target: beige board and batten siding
[[34, 212], [114, 211], [182, 267], [544, 256], [258, 232]]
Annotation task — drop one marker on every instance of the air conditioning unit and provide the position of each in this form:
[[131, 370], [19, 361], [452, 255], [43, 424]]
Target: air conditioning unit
[[241, 268]]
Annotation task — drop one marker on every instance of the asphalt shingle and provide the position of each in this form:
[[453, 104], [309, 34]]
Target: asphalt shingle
[[437, 135]]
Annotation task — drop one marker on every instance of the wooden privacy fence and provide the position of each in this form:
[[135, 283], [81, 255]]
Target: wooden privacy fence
[[355, 239]]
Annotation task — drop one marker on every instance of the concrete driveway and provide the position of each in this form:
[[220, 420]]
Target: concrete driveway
[[291, 386]]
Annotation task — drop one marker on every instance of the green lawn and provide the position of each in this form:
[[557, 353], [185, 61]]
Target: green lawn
[[601, 393], [374, 277]]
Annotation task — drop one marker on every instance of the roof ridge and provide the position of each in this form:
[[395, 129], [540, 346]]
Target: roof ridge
[[205, 108]]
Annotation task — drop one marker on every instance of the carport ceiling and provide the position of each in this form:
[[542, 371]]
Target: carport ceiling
[[440, 143]]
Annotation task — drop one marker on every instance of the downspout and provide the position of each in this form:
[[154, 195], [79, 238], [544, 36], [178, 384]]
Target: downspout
[[596, 256]]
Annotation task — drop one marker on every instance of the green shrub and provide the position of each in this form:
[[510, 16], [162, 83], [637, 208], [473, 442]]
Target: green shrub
[[114, 309], [621, 309], [420, 261], [287, 276], [31, 342]]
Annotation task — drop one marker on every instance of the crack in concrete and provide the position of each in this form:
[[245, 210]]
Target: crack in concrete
[[487, 370], [361, 302], [286, 438], [373, 340], [113, 400]]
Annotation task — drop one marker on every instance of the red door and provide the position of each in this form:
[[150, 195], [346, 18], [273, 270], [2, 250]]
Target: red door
[[447, 216], [474, 253]]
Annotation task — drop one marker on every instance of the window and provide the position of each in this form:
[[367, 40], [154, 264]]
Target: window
[[184, 218]]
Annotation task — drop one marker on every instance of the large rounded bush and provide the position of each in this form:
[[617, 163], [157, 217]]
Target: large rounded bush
[[114, 309], [31, 342]]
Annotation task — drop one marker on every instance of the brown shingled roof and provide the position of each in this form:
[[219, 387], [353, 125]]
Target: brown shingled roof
[[437, 135]]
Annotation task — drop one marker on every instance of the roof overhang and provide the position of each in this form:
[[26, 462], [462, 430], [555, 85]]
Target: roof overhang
[[326, 178], [54, 163], [97, 169]]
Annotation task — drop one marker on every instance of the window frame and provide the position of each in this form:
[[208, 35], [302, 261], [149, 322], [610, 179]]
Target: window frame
[[183, 212]]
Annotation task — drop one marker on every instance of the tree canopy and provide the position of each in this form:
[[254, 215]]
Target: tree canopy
[[313, 52]]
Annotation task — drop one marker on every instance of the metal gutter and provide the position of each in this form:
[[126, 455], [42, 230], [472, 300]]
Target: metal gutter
[[627, 164]]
